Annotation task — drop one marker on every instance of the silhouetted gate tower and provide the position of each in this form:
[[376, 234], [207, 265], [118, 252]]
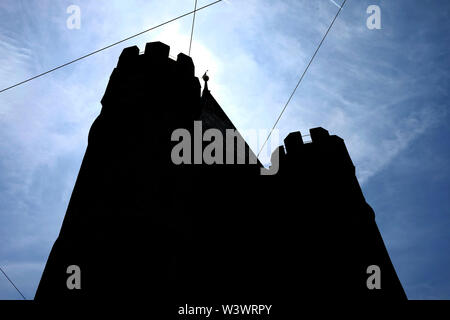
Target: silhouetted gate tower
[[141, 227]]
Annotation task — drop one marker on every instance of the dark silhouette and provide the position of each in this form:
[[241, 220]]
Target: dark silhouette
[[141, 227]]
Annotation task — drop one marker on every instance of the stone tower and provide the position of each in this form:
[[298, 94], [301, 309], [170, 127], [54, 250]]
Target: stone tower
[[141, 227]]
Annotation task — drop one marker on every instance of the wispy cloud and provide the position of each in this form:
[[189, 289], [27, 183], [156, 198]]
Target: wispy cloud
[[375, 89]]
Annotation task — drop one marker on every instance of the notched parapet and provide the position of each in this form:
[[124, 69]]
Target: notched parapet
[[156, 51], [326, 151], [185, 65], [293, 142], [319, 134], [128, 57]]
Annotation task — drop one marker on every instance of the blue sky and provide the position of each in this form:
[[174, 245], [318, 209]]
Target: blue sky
[[385, 92]]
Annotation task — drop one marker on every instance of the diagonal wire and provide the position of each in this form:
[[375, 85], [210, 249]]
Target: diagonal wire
[[109, 46], [337, 5], [192, 30], [12, 283], [302, 76]]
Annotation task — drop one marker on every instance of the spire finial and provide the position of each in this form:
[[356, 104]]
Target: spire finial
[[205, 77]]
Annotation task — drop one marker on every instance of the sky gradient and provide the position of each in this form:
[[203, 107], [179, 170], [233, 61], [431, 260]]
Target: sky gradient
[[385, 92]]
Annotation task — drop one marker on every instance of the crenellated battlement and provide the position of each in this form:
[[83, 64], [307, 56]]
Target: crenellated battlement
[[155, 54], [136, 74], [324, 152]]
